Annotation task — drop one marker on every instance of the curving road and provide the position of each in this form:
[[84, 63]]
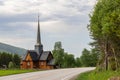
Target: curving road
[[58, 74]]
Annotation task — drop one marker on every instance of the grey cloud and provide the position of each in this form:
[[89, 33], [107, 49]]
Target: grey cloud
[[18, 18], [74, 20], [86, 8], [19, 30], [28, 17], [60, 15]]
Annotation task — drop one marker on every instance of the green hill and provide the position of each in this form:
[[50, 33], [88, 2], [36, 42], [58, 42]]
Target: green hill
[[11, 49]]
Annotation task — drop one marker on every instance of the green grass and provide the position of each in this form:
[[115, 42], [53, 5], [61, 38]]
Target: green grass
[[92, 75], [14, 71]]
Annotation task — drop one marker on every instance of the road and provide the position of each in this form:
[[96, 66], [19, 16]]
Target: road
[[58, 74]]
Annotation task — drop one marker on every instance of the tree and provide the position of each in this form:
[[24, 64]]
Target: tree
[[89, 58], [69, 61], [6, 58], [63, 59], [16, 60], [58, 46], [94, 54], [78, 62], [85, 58], [105, 30], [11, 65], [58, 54]]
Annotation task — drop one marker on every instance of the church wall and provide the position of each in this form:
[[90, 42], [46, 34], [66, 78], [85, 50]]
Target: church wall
[[36, 65], [27, 64], [49, 67], [43, 65]]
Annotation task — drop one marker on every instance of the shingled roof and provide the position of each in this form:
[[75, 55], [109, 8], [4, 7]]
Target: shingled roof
[[36, 57], [44, 55], [33, 55]]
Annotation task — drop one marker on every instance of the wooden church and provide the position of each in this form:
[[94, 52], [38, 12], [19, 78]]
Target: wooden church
[[38, 58]]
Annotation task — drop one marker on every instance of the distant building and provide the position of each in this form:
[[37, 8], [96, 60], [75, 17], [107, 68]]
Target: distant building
[[38, 58]]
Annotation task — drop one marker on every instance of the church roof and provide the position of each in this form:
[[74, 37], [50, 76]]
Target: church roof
[[44, 55], [23, 57], [36, 57], [33, 55]]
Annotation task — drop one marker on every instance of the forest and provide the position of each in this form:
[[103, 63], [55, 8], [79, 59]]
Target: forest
[[67, 60], [8, 60]]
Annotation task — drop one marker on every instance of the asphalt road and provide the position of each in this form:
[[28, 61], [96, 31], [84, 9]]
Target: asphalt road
[[58, 74]]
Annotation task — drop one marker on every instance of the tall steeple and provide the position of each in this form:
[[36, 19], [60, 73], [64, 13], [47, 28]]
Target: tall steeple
[[38, 46], [38, 33]]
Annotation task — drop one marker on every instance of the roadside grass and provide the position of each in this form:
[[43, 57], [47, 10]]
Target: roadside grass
[[14, 71], [93, 75]]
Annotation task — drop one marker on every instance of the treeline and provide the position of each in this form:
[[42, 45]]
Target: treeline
[[65, 60], [8, 60], [104, 28]]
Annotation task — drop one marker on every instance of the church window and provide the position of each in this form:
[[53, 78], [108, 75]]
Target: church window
[[42, 63], [28, 63]]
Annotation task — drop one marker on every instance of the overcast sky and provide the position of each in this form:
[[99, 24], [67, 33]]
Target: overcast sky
[[60, 20]]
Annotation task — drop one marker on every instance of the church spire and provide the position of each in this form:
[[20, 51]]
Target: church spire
[[39, 46], [38, 33]]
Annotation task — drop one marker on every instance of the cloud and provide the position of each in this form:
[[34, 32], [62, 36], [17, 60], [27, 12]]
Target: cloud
[[60, 27], [46, 7], [19, 42]]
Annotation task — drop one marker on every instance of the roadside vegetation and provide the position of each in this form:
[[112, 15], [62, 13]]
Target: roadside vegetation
[[104, 29], [93, 75], [14, 71]]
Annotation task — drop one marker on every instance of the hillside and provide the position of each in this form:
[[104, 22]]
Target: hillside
[[11, 49]]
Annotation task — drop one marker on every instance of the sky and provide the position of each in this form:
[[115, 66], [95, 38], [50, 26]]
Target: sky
[[60, 20]]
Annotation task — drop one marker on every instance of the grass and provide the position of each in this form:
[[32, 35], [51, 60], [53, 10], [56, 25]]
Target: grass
[[92, 75], [14, 71]]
